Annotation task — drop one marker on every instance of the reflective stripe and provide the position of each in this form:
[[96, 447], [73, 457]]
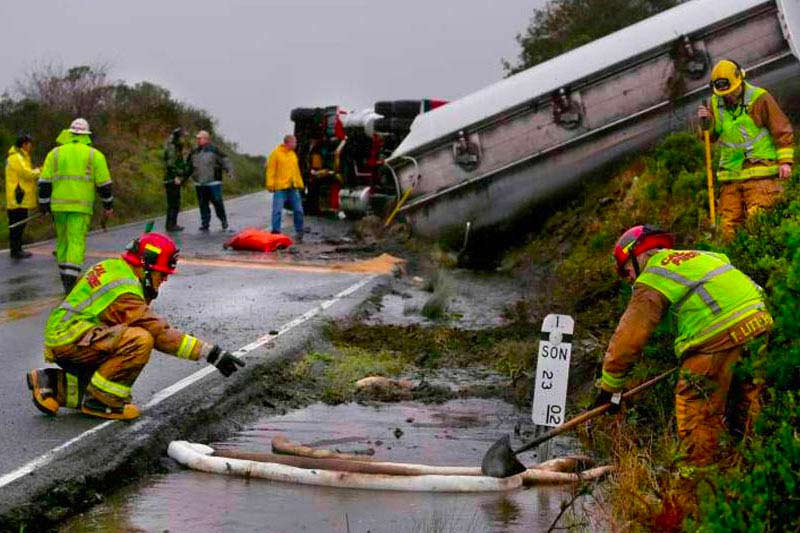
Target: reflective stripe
[[117, 389], [72, 178], [187, 346], [613, 381], [89, 164], [72, 390], [695, 287], [785, 153], [760, 171], [733, 317], [44, 200], [71, 310], [747, 144], [43, 180], [70, 202]]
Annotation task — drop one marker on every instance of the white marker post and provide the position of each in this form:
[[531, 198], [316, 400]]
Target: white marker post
[[552, 374]]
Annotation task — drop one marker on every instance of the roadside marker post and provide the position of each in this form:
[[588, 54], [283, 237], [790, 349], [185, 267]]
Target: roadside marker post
[[552, 375]]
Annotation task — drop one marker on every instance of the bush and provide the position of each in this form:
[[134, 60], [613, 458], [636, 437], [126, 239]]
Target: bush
[[761, 494], [129, 125]]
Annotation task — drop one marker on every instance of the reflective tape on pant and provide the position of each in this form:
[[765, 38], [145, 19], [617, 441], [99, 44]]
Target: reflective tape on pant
[[748, 173], [187, 347], [115, 389], [613, 381], [72, 390]]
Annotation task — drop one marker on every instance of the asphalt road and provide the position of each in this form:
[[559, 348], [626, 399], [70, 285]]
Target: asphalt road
[[230, 298]]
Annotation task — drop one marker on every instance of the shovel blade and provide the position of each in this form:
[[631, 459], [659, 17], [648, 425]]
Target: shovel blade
[[500, 460]]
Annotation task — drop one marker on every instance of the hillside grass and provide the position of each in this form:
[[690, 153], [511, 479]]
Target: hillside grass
[[130, 125], [755, 487]]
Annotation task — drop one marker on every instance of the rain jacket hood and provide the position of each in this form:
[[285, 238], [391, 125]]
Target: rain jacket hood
[[66, 137]]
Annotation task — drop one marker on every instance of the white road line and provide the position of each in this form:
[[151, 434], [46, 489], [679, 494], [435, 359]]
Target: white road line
[[162, 395]]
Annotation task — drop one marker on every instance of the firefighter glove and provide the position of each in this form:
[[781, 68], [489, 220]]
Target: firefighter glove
[[225, 361], [612, 398]]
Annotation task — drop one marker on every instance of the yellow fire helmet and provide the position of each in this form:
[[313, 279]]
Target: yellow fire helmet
[[726, 77]]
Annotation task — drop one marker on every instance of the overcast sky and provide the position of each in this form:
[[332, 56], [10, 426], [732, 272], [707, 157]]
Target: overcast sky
[[249, 62]]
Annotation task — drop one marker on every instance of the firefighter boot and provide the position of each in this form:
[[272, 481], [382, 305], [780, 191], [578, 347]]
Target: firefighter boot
[[43, 385], [94, 407]]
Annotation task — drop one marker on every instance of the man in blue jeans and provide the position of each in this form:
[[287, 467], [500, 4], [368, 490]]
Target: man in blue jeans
[[205, 166], [285, 183]]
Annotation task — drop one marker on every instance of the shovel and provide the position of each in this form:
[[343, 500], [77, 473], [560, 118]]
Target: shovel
[[500, 460], [26, 220]]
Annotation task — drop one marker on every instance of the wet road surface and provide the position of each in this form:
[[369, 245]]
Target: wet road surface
[[230, 298], [455, 433]]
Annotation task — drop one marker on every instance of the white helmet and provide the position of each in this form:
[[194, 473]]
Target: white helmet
[[80, 126]]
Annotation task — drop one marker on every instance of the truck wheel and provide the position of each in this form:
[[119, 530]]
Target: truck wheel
[[393, 125], [399, 108]]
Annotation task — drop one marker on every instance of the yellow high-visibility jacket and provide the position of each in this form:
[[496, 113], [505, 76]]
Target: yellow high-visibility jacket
[[283, 170], [19, 172]]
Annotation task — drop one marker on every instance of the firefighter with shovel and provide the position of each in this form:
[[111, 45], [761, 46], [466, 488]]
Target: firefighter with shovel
[[102, 334], [718, 310]]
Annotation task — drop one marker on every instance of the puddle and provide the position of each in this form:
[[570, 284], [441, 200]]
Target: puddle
[[455, 433]]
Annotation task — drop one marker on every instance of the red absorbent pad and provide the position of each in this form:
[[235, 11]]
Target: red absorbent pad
[[258, 240]]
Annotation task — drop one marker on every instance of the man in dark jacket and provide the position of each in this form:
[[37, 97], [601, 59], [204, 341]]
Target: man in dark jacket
[[174, 175], [205, 165]]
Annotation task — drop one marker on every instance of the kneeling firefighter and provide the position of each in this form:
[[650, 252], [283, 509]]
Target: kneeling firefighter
[[102, 334], [718, 310]]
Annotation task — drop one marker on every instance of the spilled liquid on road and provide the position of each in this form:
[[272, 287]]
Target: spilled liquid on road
[[456, 433]]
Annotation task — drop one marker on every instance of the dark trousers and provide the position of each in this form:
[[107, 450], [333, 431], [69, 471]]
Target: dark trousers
[[213, 194], [15, 234], [173, 203]]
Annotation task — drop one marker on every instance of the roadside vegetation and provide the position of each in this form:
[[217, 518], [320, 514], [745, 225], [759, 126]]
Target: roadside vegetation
[[129, 124], [754, 487], [561, 25]]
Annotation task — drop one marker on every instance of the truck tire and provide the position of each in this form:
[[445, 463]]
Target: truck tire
[[306, 114], [399, 108], [393, 125]]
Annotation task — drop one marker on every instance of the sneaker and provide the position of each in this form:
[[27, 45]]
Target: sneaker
[[94, 407], [204, 229], [43, 394], [22, 254]]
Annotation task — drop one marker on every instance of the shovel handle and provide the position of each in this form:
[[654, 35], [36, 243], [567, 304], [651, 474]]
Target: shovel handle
[[589, 415], [26, 220]]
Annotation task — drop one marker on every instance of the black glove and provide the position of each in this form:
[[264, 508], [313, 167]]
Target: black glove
[[605, 397], [225, 362], [45, 208]]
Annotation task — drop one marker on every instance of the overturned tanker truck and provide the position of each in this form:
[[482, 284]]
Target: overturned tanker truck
[[487, 160], [341, 154]]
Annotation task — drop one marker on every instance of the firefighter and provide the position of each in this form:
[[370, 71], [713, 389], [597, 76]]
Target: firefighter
[[102, 334], [718, 309], [20, 191], [757, 145], [72, 170]]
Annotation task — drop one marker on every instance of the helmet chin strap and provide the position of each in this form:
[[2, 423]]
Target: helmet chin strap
[[150, 292], [635, 265]]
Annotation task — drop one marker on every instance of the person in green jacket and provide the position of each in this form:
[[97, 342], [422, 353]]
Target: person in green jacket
[[20, 191], [174, 175], [67, 185]]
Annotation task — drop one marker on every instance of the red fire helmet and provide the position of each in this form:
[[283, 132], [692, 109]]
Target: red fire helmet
[[152, 251], [637, 240]]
